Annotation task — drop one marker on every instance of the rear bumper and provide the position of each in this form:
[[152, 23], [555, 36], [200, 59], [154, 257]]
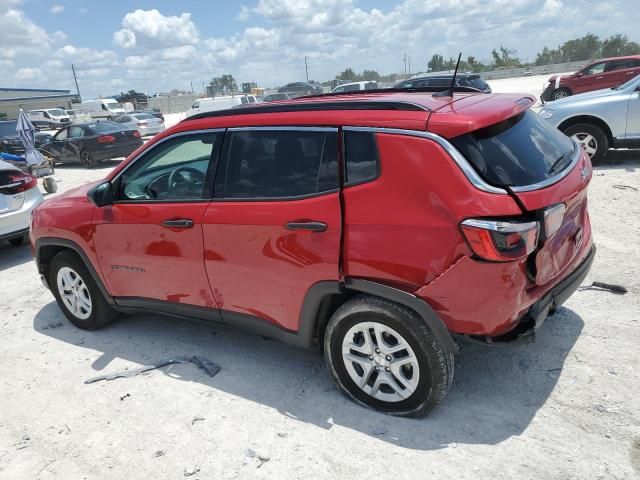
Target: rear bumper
[[16, 222]]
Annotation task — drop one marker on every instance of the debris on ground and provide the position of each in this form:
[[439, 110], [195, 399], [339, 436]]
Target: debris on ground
[[191, 471], [208, 366], [625, 187], [159, 453], [24, 443], [262, 458], [197, 419], [282, 435], [124, 396], [52, 326], [619, 289]]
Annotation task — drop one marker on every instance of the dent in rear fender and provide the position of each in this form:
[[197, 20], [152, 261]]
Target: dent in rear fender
[[479, 298]]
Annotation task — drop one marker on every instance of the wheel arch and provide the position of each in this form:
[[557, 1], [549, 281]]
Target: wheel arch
[[324, 298], [589, 119], [48, 247]]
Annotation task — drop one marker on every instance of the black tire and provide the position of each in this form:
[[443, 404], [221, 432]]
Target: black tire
[[101, 313], [559, 93], [19, 241], [87, 160], [436, 367], [580, 130], [50, 185]]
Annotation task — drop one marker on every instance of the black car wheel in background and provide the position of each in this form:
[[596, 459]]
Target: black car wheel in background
[[10, 141]]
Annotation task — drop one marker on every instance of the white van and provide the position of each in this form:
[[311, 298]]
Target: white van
[[106, 108], [352, 87], [217, 103], [49, 118]]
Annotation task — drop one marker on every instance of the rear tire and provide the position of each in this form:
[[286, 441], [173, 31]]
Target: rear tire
[[591, 138], [77, 293], [50, 185], [560, 93], [382, 355], [87, 160]]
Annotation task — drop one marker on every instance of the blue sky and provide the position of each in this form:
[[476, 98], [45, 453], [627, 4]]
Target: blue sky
[[156, 45]]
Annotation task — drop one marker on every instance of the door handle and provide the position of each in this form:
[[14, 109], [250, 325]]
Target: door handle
[[178, 223], [599, 78], [309, 225]]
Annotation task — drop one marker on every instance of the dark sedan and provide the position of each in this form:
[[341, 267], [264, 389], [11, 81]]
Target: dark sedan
[[438, 80], [10, 141], [89, 143], [298, 89], [152, 111]]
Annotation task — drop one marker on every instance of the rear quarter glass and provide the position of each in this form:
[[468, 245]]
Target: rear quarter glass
[[522, 150]]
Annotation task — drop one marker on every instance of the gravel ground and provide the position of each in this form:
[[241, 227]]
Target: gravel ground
[[563, 407]]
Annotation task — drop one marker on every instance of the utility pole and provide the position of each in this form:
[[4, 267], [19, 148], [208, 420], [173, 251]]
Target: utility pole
[[404, 59], [306, 68], [75, 78], [191, 87], [409, 65]]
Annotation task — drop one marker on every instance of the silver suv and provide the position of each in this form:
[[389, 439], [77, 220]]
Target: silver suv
[[599, 120]]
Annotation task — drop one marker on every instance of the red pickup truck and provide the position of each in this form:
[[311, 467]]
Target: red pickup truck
[[606, 73]]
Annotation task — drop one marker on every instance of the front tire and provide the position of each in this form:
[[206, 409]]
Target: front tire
[[383, 356], [560, 93], [591, 138], [50, 185], [77, 293]]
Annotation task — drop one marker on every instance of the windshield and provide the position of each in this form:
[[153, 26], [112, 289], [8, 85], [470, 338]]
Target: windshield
[[56, 112], [522, 150], [477, 82], [8, 128], [114, 106]]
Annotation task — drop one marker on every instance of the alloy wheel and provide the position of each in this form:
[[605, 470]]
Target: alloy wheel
[[380, 361], [586, 141], [74, 293], [560, 94]]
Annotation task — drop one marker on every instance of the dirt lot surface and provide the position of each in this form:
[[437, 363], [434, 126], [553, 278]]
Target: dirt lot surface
[[563, 407]]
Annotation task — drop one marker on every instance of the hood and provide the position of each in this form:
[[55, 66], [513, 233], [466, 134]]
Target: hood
[[605, 92], [72, 197]]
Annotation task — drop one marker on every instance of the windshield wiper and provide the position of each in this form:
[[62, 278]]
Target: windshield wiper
[[558, 162]]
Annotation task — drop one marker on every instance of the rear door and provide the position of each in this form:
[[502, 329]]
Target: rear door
[[273, 229], [548, 173]]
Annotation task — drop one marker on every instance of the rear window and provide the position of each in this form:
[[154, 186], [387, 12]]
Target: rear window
[[104, 127], [143, 116], [522, 150]]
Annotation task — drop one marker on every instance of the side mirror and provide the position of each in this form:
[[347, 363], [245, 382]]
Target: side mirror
[[101, 195]]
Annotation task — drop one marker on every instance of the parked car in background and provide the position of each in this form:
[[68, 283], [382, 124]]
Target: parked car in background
[[606, 73], [211, 104], [145, 123], [49, 118], [297, 89], [354, 86], [153, 111], [274, 97], [10, 141], [105, 108], [270, 217], [90, 143], [528, 72], [439, 80], [19, 195], [79, 115], [599, 120]]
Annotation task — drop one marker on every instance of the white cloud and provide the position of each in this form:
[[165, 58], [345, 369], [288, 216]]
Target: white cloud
[[57, 9], [244, 14], [151, 30], [28, 73], [18, 33]]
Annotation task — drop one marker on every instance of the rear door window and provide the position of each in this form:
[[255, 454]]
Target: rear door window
[[520, 151], [278, 163], [361, 157]]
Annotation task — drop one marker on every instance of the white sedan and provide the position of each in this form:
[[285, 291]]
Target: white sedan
[[19, 195], [145, 123]]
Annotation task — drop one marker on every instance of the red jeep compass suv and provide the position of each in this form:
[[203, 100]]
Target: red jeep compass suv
[[377, 225]]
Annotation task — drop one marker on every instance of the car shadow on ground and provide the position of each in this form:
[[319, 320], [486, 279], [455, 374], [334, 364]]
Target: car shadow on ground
[[11, 256], [495, 394], [620, 159]]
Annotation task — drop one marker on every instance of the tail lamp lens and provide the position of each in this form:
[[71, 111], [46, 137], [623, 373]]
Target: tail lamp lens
[[17, 182], [106, 139], [136, 134], [553, 218], [500, 241]]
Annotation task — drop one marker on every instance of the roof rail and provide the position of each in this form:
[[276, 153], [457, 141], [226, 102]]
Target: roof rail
[[457, 88], [300, 106]]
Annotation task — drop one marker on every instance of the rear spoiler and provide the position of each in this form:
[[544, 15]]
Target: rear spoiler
[[468, 114]]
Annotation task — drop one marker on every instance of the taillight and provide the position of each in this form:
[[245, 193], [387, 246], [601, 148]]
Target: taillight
[[136, 134], [553, 217], [500, 241], [18, 182], [106, 139]]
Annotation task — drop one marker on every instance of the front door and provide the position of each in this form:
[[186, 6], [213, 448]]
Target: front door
[[633, 115], [274, 227], [591, 78], [149, 242], [62, 146]]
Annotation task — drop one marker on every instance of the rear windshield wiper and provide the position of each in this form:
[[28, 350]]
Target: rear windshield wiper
[[558, 162]]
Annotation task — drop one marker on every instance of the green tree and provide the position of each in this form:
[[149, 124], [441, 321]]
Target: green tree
[[370, 75], [348, 74], [505, 58], [436, 64], [224, 84], [618, 45], [583, 48]]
